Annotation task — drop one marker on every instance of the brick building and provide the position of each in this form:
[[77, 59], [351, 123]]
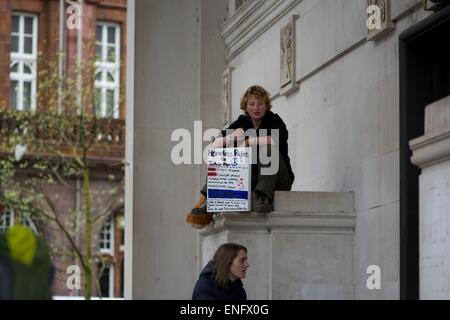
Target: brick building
[[30, 27]]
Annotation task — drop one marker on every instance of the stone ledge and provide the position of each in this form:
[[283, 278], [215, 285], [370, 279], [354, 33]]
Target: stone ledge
[[434, 146], [304, 251], [317, 202], [428, 151], [320, 212]]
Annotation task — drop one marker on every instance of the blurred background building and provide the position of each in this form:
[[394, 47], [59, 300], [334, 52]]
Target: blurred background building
[[29, 28]]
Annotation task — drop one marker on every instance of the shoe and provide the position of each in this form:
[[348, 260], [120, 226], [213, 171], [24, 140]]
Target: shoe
[[199, 211], [263, 203], [198, 217]]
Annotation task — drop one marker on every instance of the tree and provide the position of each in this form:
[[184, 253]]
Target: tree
[[54, 146]]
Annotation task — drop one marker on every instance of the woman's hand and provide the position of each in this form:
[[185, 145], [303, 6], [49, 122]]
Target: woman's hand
[[237, 134], [228, 141], [259, 140], [218, 142]]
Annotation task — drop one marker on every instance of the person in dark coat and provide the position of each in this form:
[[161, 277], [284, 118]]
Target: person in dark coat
[[221, 278], [266, 133]]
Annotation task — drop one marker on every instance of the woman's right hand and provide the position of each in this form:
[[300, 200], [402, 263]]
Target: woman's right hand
[[218, 143], [237, 134], [228, 141]]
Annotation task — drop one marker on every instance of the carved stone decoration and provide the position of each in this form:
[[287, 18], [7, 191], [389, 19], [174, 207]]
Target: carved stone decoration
[[435, 5], [288, 82], [226, 96], [375, 28]]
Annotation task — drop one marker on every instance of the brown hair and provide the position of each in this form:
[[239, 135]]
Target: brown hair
[[257, 91], [223, 258]]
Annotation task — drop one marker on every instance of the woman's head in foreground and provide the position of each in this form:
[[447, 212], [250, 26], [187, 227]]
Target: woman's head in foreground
[[230, 263]]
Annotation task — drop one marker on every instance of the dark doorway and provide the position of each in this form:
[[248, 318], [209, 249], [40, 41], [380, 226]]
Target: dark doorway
[[104, 279], [424, 78]]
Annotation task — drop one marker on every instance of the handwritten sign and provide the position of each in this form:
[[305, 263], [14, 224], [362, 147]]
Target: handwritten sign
[[229, 179]]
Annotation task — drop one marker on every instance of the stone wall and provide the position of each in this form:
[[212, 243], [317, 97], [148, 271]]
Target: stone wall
[[343, 121]]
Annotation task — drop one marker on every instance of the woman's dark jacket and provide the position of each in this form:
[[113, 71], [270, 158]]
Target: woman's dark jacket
[[207, 287], [270, 121]]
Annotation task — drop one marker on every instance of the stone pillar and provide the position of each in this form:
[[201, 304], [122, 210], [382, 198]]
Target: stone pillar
[[431, 152], [176, 58], [302, 250]]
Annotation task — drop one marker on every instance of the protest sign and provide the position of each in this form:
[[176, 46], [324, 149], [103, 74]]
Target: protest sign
[[229, 179]]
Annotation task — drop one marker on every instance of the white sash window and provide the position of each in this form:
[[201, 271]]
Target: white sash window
[[107, 73], [23, 61]]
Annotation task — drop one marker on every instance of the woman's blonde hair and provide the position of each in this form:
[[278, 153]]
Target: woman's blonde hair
[[223, 259], [257, 91]]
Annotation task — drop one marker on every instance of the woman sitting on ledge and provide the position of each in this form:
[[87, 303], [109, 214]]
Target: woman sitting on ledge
[[257, 116]]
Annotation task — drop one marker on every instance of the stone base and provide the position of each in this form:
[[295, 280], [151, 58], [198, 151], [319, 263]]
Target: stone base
[[431, 152], [302, 250]]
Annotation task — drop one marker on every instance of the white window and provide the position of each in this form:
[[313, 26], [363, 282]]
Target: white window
[[106, 272], [30, 224], [106, 243], [23, 61], [8, 219], [107, 73]]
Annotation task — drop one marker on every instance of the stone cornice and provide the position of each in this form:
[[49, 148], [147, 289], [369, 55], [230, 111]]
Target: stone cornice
[[434, 146], [428, 150], [284, 222], [250, 22]]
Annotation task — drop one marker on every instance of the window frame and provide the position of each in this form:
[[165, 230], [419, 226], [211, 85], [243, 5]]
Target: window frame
[[111, 249], [11, 214], [21, 58], [103, 66], [6, 214]]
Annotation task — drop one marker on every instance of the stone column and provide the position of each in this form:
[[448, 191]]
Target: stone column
[[302, 250], [431, 152], [175, 83]]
